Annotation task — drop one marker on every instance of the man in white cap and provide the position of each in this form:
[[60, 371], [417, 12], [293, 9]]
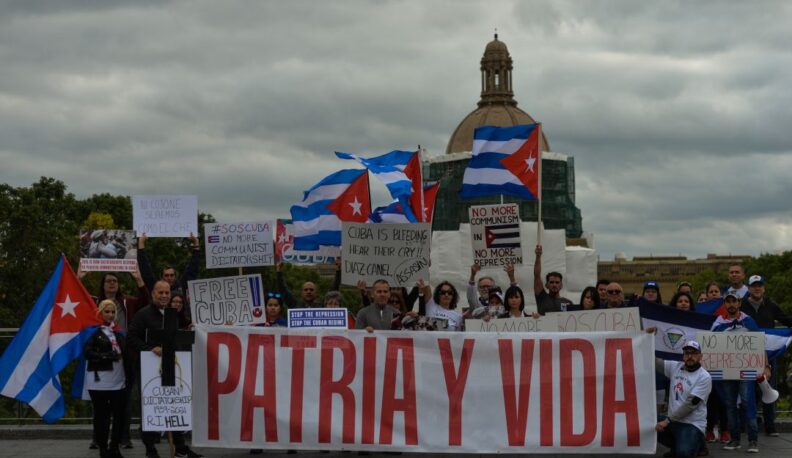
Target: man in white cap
[[683, 429]]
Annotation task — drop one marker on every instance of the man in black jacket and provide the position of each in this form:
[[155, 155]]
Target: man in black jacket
[[765, 312], [152, 317]]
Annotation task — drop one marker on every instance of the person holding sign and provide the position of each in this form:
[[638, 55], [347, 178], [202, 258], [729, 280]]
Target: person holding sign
[[550, 300], [478, 292], [106, 380], [683, 429], [169, 273], [729, 390]]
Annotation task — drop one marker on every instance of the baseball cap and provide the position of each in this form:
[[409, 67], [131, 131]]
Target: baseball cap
[[731, 294], [651, 284], [692, 344], [756, 279], [684, 283]]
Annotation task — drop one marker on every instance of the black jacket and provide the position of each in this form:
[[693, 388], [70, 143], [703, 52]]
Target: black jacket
[[767, 314], [99, 352], [149, 317]]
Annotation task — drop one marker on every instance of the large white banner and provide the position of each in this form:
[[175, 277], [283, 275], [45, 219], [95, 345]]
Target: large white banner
[[245, 244], [424, 391]]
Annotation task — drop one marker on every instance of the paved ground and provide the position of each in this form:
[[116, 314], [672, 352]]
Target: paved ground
[[72, 442]]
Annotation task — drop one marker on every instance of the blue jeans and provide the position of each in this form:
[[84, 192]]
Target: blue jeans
[[683, 438], [728, 390]]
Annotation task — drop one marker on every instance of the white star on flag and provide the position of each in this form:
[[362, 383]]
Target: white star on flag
[[68, 307], [356, 206], [530, 164], [282, 238]]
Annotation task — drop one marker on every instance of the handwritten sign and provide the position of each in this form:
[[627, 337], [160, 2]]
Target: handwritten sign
[[398, 253], [108, 250], [732, 355], [495, 230], [165, 216], [284, 248], [616, 319], [326, 318], [547, 323], [236, 300], [165, 408], [242, 244]]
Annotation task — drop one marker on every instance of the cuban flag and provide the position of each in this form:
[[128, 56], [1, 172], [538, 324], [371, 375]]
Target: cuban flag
[[502, 236], [390, 170], [506, 161], [392, 213], [341, 196], [54, 333]]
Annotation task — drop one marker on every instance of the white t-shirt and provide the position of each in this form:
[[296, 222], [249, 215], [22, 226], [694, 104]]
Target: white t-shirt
[[108, 380], [685, 384], [454, 318]]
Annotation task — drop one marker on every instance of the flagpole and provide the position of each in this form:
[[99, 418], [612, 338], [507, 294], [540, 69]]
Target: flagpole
[[539, 197], [421, 184]]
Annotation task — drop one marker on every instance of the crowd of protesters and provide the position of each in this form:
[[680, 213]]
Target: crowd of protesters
[[716, 411]]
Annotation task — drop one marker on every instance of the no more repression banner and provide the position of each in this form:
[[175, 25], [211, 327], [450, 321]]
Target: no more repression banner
[[424, 392]]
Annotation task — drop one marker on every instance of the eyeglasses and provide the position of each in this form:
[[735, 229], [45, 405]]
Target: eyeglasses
[[275, 295], [446, 292], [614, 291]]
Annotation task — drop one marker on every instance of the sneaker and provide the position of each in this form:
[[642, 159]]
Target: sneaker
[[732, 445], [725, 437], [93, 445], [710, 436], [753, 447], [771, 432], [152, 453], [187, 453], [127, 445]]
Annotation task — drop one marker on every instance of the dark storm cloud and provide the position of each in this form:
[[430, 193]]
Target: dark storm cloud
[[676, 112]]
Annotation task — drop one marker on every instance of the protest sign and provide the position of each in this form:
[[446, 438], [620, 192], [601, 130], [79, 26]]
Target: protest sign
[[324, 318], [165, 408], [398, 253], [424, 323], [732, 355], [108, 250], [165, 216], [495, 234], [236, 300], [615, 319], [436, 392], [284, 248], [547, 323], [240, 244]]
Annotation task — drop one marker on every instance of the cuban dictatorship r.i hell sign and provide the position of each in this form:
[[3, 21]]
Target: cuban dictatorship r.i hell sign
[[495, 230], [241, 244], [165, 408], [439, 392], [732, 355], [233, 300], [398, 253]]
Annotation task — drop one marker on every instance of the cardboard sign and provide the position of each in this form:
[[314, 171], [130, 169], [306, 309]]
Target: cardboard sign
[[284, 248], [616, 319], [495, 233], [398, 253], [732, 355], [324, 318], [433, 392], [165, 408], [165, 216], [547, 323], [243, 244], [108, 250], [236, 300]]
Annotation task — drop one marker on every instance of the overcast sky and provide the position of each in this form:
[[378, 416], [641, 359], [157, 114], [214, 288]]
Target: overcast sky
[[678, 114]]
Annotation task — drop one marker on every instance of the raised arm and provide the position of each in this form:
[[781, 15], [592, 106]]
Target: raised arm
[[538, 284], [144, 265], [191, 270]]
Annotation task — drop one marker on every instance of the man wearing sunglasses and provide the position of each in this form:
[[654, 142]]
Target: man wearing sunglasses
[[683, 429], [478, 292], [615, 296]]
